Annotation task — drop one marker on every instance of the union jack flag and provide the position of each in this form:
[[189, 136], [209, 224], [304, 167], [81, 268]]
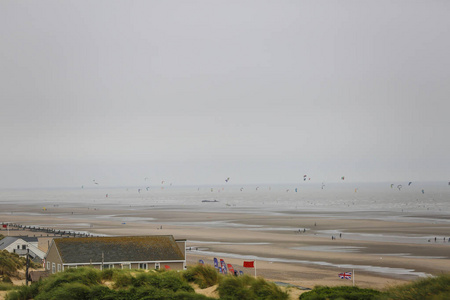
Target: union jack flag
[[345, 275]]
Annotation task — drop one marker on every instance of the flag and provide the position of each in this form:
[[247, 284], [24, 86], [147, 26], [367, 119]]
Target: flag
[[224, 266], [241, 273], [5, 226], [230, 268], [200, 261], [167, 267], [216, 263], [345, 275], [249, 264]]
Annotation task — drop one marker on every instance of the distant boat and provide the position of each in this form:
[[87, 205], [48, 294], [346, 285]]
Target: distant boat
[[210, 201]]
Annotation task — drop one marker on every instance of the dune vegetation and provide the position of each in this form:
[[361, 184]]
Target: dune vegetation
[[89, 283], [432, 288]]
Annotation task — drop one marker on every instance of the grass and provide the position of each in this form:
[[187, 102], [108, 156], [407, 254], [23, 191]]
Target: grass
[[6, 286], [433, 288], [87, 283], [202, 275], [340, 292], [436, 288], [248, 288]]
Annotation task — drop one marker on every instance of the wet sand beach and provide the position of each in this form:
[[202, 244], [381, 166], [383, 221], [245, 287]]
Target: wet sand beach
[[295, 248]]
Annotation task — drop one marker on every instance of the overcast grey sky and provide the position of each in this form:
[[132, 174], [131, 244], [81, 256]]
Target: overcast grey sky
[[193, 92]]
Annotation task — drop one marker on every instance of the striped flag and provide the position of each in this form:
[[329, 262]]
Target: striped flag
[[224, 267], [345, 275]]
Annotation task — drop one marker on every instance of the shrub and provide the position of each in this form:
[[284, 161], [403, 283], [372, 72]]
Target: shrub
[[10, 263], [166, 280], [22, 292], [6, 279], [111, 274], [86, 276], [235, 288], [73, 291], [247, 287], [5, 286], [123, 280], [102, 292], [340, 292], [267, 290], [203, 275], [435, 288]]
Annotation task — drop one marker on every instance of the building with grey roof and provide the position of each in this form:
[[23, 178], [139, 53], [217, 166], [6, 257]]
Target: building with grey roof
[[21, 244], [125, 252]]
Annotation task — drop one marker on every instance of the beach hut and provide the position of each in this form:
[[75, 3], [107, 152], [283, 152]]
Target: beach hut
[[122, 252]]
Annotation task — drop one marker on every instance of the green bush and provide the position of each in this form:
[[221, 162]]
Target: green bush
[[167, 280], [6, 286], [203, 275], [102, 292], [10, 263], [111, 274], [122, 280], [247, 287], [340, 292], [6, 279], [21, 292], [86, 276], [436, 288], [267, 290], [73, 291]]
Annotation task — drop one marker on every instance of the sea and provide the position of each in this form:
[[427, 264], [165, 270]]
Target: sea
[[400, 197], [427, 202]]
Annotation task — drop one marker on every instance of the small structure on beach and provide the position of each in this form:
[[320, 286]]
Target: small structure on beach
[[122, 252], [21, 244]]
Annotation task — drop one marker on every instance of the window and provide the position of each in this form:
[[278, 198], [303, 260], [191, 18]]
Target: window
[[106, 266], [157, 266], [59, 267], [48, 265], [18, 246], [53, 268], [24, 247], [143, 266]]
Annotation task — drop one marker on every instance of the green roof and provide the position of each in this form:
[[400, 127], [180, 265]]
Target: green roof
[[119, 249]]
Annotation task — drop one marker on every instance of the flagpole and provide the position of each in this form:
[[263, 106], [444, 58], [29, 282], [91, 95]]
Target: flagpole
[[255, 268], [353, 277]]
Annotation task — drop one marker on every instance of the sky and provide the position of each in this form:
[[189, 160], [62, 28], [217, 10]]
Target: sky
[[193, 92]]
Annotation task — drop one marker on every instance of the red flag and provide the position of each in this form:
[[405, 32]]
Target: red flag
[[249, 264], [167, 267], [230, 268], [5, 226]]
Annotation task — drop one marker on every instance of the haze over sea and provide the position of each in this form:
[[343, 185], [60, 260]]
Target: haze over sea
[[427, 202]]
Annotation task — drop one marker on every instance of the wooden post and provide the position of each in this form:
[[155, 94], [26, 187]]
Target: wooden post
[[27, 266], [353, 276]]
